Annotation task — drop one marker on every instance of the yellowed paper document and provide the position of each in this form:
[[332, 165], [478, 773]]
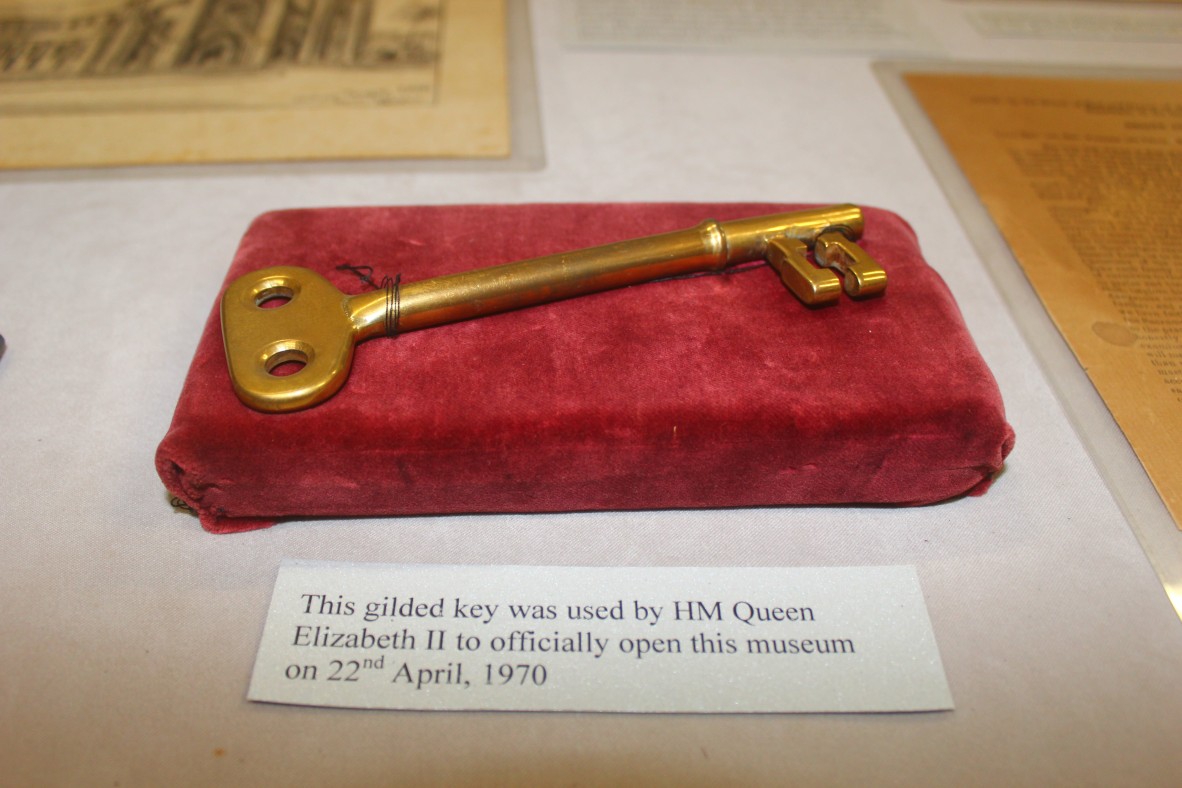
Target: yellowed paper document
[[107, 82], [1084, 180]]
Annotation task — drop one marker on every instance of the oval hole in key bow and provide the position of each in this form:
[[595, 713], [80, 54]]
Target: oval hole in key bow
[[273, 297], [274, 291], [287, 358]]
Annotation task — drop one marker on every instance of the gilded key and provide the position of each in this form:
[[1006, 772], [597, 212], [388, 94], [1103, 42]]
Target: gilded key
[[317, 326]]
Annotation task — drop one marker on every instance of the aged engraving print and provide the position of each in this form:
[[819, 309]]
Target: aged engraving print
[[96, 57], [115, 81]]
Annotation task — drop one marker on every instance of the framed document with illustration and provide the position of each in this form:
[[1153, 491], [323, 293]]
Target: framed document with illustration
[[113, 82]]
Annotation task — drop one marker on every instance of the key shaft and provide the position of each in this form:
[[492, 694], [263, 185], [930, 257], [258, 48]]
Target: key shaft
[[710, 246]]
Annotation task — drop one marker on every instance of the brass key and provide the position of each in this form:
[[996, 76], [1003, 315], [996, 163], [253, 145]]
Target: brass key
[[317, 326]]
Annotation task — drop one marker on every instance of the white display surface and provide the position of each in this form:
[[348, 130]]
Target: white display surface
[[129, 634]]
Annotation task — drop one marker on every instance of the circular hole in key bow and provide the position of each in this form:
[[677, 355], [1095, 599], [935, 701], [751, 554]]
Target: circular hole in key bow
[[287, 359], [273, 296]]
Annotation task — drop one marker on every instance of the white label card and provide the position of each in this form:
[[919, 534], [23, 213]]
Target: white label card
[[611, 639]]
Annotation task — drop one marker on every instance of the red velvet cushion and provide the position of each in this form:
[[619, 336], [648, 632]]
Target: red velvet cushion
[[706, 392]]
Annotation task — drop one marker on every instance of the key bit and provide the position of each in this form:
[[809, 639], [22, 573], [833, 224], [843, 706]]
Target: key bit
[[862, 275], [814, 286]]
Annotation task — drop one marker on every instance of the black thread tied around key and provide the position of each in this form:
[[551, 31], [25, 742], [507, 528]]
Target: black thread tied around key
[[393, 288]]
